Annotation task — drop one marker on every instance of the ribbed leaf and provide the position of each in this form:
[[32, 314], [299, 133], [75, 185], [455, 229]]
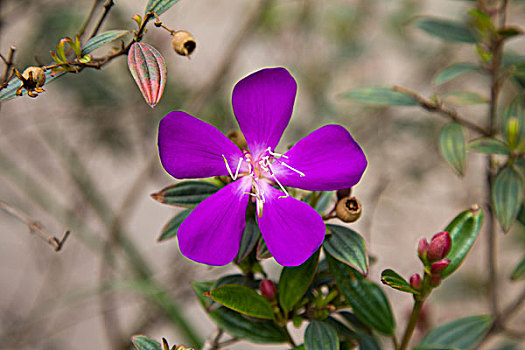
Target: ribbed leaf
[[323, 202], [489, 146], [367, 300], [250, 237], [241, 327], [170, 229], [159, 6], [185, 194], [452, 144], [103, 39], [507, 196], [392, 279], [142, 342], [320, 336], [462, 334], [464, 230], [148, 68], [463, 97], [348, 247], [446, 29], [295, 281], [381, 96], [454, 71], [342, 330], [242, 299], [519, 271], [367, 342], [200, 289]]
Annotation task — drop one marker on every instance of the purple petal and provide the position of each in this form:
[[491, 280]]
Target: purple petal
[[263, 104], [191, 148], [211, 234], [329, 158], [292, 230]]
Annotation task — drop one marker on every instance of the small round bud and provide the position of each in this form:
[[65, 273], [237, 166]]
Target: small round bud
[[35, 77], [344, 192], [237, 138], [348, 209], [422, 248], [268, 289], [439, 246], [183, 43], [438, 267], [415, 281]]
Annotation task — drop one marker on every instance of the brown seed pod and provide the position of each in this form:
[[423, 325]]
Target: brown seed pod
[[35, 76], [348, 209], [183, 43]]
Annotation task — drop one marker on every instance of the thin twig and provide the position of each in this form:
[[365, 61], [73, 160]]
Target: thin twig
[[88, 18], [8, 73], [438, 108], [34, 227], [513, 307], [107, 7]]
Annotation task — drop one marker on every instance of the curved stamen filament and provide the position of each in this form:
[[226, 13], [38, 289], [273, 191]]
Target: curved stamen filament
[[277, 157], [234, 177]]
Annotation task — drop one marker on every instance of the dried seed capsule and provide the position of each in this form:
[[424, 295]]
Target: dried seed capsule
[[35, 77], [348, 209], [183, 43]]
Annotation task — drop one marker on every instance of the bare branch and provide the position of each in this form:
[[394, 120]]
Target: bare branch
[[107, 6]]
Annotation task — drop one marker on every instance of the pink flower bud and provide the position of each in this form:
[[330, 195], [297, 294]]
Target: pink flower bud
[[439, 246], [438, 267], [435, 280], [422, 248], [415, 281], [268, 289]]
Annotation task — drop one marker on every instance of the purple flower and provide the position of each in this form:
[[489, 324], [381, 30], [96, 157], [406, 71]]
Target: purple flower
[[327, 159]]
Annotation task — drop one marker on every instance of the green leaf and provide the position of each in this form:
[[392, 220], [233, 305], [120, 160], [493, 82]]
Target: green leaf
[[170, 229], [142, 342], [454, 71], [446, 29], [452, 144], [381, 96], [159, 6], [250, 237], [489, 146], [462, 97], [464, 230], [320, 336], [464, 334], [367, 342], [342, 330], [61, 49], [507, 196], [295, 281], [392, 279], [348, 247], [241, 327], [519, 271], [512, 124], [185, 194], [102, 39], [367, 300], [200, 289], [323, 202], [242, 299], [262, 250]]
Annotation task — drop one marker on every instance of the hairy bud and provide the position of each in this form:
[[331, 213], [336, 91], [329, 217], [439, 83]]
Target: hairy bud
[[268, 289], [422, 248], [183, 43], [439, 246], [438, 267], [348, 209], [415, 281]]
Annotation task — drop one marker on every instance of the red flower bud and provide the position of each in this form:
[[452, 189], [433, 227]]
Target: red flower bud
[[439, 246], [435, 280], [438, 267], [415, 281], [422, 248], [268, 289]]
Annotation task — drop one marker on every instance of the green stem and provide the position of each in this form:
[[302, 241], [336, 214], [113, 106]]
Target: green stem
[[414, 316]]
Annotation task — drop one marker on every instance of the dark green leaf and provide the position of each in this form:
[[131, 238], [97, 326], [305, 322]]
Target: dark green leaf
[[463, 97], [200, 289], [324, 201], [241, 327], [242, 299], [320, 336], [507, 196], [454, 71], [381, 96], [250, 237], [452, 144], [142, 342], [159, 6], [186, 194], [102, 39], [343, 332], [262, 250], [348, 247], [512, 123], [368, 342], [392, 279], [367, 300], [446, 29], [510, 32], [295, 281], [519, 271], [489, 146], [464, 230], [355, 322], [170, 229], [462, 334]]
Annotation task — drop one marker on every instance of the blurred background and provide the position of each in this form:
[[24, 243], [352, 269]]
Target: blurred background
[[82, 157]]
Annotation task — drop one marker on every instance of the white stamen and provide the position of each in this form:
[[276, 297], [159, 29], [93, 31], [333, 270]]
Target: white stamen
[[292, 169], [275, 154], [234, 177], [278, 183]]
